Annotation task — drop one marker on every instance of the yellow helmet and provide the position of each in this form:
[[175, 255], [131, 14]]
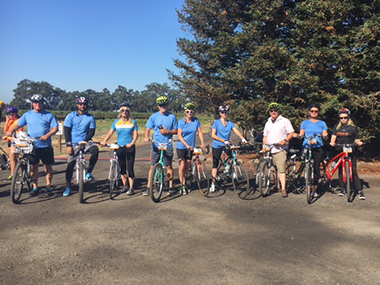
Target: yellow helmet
[[2, 104], [162, 100]]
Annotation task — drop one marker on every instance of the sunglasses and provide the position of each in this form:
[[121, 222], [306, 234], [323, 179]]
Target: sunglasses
[[82, 104], [343, 118], [39, 102], [162, 105], [124, 111], [314, 111], [9, 114], [223, 112], [189, 112], [273, 110]]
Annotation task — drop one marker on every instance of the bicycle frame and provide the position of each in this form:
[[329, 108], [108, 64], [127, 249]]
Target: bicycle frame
[[340, 159]]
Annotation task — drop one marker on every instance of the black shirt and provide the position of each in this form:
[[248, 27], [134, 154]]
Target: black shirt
[[345, 134]]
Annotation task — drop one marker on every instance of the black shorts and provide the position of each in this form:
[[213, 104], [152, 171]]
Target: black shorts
[[46, 155], [184, 154]]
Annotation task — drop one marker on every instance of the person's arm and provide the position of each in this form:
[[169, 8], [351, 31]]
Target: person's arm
[[325, 135], [134, 139], [215, 137], [201, 137], [91, 133], [238, 133], [182, 140], [333, 140], [287, 139], [107, 137], [49, 134], [264, 142], [164, 131], [147, 133], [12, 130]]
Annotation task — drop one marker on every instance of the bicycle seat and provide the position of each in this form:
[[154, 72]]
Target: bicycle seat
[[293, 150]]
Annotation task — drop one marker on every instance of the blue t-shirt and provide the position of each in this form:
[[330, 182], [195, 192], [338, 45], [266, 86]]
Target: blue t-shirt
[[189, 132], [124, 131], [167, 120], [39, 124], [311, 129], [223, 132], [80, 125]]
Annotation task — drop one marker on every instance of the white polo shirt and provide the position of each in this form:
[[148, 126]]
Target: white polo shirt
[[277, 131]]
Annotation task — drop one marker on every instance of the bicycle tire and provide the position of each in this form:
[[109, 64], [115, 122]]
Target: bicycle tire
[[349, 190], [18, 180], [81, 181], [240, 180], [3, 161], [113, 177], [264, 178], [201, 177], [308, 183], [157, 183]]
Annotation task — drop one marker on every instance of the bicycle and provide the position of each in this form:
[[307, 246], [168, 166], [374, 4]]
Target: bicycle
[[22, 175], [157, 180], [4, 160], [344, 159], [266, 177], [114, 174], [199, 171], [231, 168]]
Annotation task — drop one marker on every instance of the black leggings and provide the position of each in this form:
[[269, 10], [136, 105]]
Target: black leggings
[[127, 159], [355, 175], [70, 166], [318, 155]]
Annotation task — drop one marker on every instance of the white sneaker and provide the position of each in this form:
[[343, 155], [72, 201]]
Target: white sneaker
[[212, 188]]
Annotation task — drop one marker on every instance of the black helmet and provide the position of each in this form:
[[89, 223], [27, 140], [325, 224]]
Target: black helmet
[[344, 111], [37, 98], [125, 104]]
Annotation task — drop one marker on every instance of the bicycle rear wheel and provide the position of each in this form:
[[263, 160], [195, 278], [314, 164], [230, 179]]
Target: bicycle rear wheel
[[240, 180], [81, 181], [201, 177], [264, 178], [113, 177], [18, 182], [308, 183], [3, 161], [350, 191], [157, 183]]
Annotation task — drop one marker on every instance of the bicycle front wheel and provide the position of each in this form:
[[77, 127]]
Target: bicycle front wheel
[[350, 191], [157, 183], [240, 180], [264, 178], [201, 177], [113, 177], [308, 183], [18, 182], [81, 181]]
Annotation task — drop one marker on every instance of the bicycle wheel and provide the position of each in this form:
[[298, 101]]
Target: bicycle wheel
[[350, 191], [264, 178], [308, 183], [113, 177], [3, 161], [240, 180], [81, 181], [157, 183], [201, 177], [18, 182]]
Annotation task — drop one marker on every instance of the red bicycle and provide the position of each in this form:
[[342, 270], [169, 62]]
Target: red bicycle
[[344, 159]]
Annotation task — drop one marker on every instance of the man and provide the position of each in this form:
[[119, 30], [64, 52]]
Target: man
[[40, 124], [165, 125], [278, 130], [79, 126]]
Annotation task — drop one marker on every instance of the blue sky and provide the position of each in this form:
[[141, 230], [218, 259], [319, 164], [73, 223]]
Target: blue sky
[[87, 44]]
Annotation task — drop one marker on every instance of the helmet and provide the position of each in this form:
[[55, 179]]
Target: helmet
[[189, 106], [224, 108], [344, 111], [273, 105], [1, 103], [162, 100], [125, 104], [37, 98], [13, 110], [82, 100]]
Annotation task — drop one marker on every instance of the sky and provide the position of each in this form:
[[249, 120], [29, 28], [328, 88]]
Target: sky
[[77, 45]]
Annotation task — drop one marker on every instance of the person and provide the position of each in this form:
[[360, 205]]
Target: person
[[309, 128], [2, 105], [278, 130], [11, 119], [40, 124], [79, 126], [221, 133], [127, 134], [165, 125], [346, 132], [187, 131]]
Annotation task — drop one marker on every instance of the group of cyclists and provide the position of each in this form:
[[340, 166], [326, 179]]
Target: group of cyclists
[[80, 126]]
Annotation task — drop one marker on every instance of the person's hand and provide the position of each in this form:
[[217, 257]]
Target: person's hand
[[103, 143], [4, 137], [227, 142], [146, 139], [332, 143], [244, 141], [164, 131], [44, 138], [129, 145], [282, 143], [9, 134], [359, 142], [69, 150], [203, 146]]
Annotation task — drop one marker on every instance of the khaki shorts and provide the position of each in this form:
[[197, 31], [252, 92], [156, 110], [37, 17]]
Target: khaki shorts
[[279, 159]]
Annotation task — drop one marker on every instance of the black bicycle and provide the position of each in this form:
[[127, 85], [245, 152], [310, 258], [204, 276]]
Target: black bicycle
[[4, 160]]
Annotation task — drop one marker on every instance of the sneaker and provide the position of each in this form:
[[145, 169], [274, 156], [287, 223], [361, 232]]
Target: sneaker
[[212, 188], [315, 195], [183, 190], [146, 192], [34, 192], [9, 177], [342, 193], [89, 177], [172, 191], [48, 192], [67, 192], [361, 195], [130, 192]]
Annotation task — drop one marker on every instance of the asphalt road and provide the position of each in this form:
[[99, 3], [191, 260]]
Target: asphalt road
[[186, 239]]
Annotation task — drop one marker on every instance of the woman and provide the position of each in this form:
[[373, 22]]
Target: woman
[[308, 129], [221, 132], [12, 118], [345, 132], [127, 134], [187, 131]]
